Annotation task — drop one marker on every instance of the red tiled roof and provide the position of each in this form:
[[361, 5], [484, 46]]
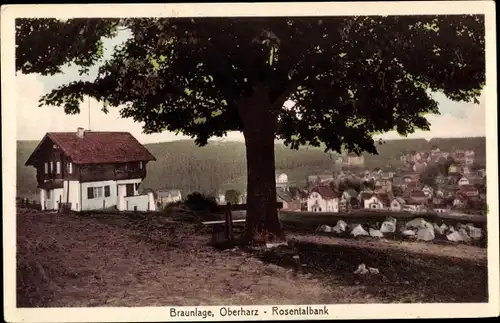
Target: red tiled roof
[[325, 191], [414, 194], [97, 147], [384, 198]]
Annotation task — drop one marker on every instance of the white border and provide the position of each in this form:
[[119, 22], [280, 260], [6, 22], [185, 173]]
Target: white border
[[10, 12]]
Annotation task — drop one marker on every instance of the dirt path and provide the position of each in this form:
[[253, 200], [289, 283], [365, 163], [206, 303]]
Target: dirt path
[[117, 261]]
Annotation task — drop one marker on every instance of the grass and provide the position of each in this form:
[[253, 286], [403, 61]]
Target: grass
[[165, 260]]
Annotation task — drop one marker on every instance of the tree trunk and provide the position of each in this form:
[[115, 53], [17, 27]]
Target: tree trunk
[[259, 120]]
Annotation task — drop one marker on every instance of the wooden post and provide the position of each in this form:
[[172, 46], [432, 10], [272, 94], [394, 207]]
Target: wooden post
[[103, 204], [229, 223]]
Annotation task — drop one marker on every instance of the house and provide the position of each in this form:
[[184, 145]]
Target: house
[[460, 201], [364, 195], [281, 180], [322, 199], [419, 166], [89, 170], [468, 190], [167, 196], [355, 160], [463, 181], [397, 204], [290, 203], [454, 169], [378, 201], [481, 172], [428, 191], [437, 200], [349, 199], [418, 196], [440, 180], [411, 206]]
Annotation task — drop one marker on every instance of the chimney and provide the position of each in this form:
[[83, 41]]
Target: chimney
[[79, 132]]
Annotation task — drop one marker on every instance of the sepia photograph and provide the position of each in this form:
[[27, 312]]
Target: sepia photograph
[[257, 163]]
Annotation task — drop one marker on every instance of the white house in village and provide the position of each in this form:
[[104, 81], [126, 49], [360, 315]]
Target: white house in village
[[87, 170], [397, 204], [428, 191], [463, 181], [377, 201], [322, 199], [281, 180]]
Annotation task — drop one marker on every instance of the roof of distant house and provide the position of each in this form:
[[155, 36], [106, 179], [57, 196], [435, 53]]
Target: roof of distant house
[[384, 198], [365, 195], [325, 191], [96, 147]]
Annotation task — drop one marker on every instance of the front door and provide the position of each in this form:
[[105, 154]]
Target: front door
[[130, 189]]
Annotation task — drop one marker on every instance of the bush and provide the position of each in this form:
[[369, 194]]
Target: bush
[[200, 202]]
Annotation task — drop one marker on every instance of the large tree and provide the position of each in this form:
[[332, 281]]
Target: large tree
[[350, 78]]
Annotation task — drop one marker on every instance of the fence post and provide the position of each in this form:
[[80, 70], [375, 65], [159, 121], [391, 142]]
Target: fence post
[[229, 222], [103, 204]]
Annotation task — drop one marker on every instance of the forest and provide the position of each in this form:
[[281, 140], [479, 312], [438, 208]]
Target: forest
[[221, 165]]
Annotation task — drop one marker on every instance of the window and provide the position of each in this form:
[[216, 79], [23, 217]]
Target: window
[[107, 191], [58, 167], [70, 168], [94, 192], [51, 167], [140, 165], [46, 168]]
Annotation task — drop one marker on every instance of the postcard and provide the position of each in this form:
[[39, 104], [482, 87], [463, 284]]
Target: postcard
[[249, 161]]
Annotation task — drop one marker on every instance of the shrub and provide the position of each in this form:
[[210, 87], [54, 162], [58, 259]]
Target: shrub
[[200, 202]]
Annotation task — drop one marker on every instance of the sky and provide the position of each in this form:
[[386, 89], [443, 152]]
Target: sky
[[457, 119]]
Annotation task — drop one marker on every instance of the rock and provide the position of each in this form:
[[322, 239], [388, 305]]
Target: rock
[[464, 234], [454, 236], [437, 229], [376, 233], [388, 227], [324, 228], [373, 270], [416, 223], [359, 231], [474, 233], [276, 244], [408, 233], [340, 227], [362, 270], [426, 233], [443, 227], [296, 257]]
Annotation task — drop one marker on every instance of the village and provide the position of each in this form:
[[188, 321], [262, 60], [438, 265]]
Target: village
[[460, 188]]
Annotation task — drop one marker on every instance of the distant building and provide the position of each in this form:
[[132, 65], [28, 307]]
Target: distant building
[[167, 196], [322, 199], [355, 160], [281, 180]]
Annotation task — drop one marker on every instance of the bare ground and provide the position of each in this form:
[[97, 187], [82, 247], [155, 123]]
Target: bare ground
[[115, 260]]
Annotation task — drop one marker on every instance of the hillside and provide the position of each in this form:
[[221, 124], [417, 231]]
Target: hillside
[[222, 165]]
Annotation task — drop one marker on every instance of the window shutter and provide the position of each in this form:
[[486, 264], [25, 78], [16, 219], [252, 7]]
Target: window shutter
[[90, 192], [46, 168], [107, 191], [58, 167], [70, 167]]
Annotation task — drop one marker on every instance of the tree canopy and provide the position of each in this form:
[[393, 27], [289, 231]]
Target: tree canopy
[[350, 77]]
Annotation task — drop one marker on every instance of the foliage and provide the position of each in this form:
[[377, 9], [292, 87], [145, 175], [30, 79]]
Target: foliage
[[200, 202], [232, 196], [428, 176], [189, 75]]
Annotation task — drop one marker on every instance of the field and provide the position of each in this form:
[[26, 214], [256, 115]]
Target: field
[[166, 259]]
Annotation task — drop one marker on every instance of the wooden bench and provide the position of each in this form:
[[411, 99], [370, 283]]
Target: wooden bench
[[223, 229]]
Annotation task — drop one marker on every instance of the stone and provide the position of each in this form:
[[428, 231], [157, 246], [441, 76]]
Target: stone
[[376, 233], [388, 227], [454, 236], [408, 233], [362, 270], [437, 229], [373, 270], [340, 227], [416, 223], [359, 231], [324, 228], [464, 235], [474, 233], [276, 244], [443, 227], [426, 233]]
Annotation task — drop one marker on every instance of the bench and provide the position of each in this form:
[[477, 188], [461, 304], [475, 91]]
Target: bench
[[223, 229]]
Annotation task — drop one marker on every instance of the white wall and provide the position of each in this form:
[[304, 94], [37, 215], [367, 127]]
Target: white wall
[[142, 202], [52, 203], [74, 194], [373, 203], [331, 205], [97, 202]]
